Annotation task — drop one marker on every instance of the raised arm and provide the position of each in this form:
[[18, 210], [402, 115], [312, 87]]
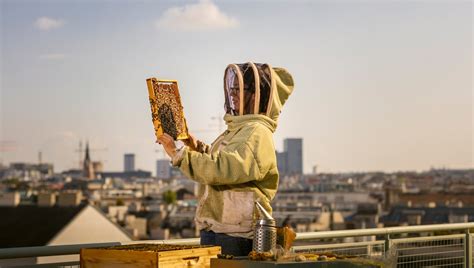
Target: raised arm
[[250, 160]]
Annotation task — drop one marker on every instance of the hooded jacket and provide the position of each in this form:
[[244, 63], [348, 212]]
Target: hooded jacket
[[240, 166]]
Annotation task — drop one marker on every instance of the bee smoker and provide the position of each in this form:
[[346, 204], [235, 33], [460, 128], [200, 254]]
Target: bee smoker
[[265, 231]]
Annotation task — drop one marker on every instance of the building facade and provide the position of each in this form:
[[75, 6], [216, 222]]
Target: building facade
[[129, 162], [294, 153], [163, 169]]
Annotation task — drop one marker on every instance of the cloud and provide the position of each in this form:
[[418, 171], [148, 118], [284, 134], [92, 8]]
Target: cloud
[[46, 24], [202, 16], [52, 56]]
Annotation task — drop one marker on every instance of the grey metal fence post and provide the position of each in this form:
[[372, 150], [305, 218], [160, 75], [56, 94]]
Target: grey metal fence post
[[468, 249], [387, 243]]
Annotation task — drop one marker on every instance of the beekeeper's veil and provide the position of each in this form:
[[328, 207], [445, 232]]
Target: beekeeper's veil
[[255, 88]]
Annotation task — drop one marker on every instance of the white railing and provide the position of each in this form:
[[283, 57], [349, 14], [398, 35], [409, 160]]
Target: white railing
[[431, 247]]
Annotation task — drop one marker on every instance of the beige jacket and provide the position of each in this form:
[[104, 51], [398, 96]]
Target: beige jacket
[[239, 167]]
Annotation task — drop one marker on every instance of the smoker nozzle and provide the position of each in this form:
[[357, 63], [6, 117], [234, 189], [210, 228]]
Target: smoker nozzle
[[264, 215]]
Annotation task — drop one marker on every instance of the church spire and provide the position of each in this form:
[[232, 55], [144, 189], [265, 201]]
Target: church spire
[[88, 158], [88, 169]]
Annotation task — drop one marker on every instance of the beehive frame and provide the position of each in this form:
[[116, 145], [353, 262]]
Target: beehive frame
[[166, 108]]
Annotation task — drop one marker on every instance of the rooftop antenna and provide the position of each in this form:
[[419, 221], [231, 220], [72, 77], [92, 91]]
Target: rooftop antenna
[[79, 151]]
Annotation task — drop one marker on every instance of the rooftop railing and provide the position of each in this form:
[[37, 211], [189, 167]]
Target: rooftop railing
[[440, 245]]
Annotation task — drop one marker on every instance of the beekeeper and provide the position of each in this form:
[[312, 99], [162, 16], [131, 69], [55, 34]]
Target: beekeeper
[[240, 166]]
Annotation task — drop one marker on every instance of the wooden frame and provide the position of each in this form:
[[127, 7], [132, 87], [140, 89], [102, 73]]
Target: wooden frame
[[108, 258], [165, 104]]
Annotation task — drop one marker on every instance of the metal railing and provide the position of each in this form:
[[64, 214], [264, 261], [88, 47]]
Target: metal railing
[[431, 248], [437, 251], [440, 245]]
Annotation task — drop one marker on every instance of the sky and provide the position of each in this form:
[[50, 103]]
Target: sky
[[379, 85]]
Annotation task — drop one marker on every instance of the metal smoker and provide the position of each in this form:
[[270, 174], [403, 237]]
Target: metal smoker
[[265, 231]]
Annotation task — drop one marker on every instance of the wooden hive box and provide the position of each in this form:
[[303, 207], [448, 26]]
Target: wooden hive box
[[149, 255]]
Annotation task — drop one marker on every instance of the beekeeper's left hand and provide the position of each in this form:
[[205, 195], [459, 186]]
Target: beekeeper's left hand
[[168, 144]]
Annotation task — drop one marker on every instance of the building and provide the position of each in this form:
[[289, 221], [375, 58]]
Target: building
[[129, 162], [346, 202], [294, 152], [10, 199], [126, 175], [98, 166], [436, 199], [46, 199], [27, 171], [402, 215], [88, 168], [290, 161], [28, 226], [309, 219], [163, 169], [367, 215], [282, 162], [69, 198]]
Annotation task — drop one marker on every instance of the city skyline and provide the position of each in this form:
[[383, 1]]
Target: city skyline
[[379, 86]]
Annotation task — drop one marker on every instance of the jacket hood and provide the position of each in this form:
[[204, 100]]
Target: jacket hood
[[282, 87], [256, 89]]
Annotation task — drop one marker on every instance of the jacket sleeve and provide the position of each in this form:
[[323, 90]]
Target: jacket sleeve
[[250, 161]]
